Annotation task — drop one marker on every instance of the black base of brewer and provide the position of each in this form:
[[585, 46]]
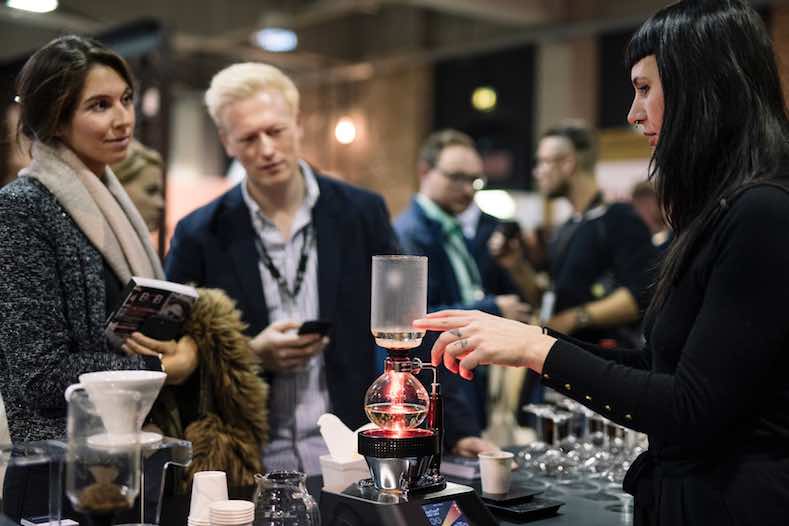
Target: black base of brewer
[[366, 506], [380, 443]]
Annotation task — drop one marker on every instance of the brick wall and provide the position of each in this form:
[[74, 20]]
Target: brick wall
[[393, 114]]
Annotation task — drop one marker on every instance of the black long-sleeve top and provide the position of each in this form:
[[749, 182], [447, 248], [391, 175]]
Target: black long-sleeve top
[[712, 379]]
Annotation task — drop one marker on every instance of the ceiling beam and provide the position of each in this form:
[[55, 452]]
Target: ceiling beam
[[510, 12], [238, 52]]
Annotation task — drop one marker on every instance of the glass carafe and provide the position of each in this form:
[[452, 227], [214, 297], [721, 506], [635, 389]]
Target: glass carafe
[[103, 454], [281, 499]]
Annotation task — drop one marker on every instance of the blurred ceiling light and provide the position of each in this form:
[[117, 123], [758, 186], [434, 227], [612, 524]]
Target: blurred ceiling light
[[497, 203], [345, 131], [34, 6], [484, 98], [277, 39]]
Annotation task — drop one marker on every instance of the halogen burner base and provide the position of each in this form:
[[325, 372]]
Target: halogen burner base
[[382, 443], [398, 460]]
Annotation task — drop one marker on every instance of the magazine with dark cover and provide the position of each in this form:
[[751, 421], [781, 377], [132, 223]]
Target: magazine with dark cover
[[154, 307]]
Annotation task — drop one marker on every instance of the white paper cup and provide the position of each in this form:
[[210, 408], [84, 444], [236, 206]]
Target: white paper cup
[[207, 487], [495, 468]]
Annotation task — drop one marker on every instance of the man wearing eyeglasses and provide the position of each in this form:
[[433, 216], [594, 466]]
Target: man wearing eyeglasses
[[450, 173]]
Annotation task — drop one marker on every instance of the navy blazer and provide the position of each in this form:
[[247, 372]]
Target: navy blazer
[[214, 247], [421, 236]]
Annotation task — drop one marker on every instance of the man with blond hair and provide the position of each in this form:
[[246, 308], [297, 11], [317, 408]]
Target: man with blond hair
[[289, 245]]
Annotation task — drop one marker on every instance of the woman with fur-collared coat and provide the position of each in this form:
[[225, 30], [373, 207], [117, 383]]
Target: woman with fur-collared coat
[[71, 240]]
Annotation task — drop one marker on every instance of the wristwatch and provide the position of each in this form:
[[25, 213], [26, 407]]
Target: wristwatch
[[582, 318]]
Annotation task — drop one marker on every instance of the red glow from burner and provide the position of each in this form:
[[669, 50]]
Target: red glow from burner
[[404, 433], [395, 388], [396, 395]]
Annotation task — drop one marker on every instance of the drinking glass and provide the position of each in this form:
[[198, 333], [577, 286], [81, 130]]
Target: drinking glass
[[529, 455], [399, 296], [103, 456], [24, 467]]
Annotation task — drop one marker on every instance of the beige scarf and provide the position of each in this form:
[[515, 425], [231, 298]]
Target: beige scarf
[[100, 207]]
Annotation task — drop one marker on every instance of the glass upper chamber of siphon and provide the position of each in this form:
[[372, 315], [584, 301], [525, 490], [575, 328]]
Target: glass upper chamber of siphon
[[399, 296]]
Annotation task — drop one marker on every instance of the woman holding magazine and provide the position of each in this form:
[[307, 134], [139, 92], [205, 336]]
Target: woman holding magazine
[[71, 241], [71, 238]]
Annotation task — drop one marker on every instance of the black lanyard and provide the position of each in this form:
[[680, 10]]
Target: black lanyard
[[302, 268]]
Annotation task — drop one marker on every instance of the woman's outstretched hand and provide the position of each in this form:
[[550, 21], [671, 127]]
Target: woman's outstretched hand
[[472, 338]]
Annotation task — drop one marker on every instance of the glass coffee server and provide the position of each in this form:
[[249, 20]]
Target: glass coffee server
[[103, 453]]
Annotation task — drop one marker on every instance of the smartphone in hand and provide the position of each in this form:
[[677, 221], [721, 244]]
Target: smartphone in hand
[[321, 327]]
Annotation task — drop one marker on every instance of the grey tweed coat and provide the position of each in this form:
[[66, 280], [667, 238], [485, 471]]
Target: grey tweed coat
[[52, 310]]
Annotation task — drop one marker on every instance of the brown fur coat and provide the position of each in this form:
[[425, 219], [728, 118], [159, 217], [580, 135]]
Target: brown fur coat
[[233, 420]]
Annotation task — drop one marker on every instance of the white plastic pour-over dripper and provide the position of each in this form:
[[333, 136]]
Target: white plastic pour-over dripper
[[97, 384]]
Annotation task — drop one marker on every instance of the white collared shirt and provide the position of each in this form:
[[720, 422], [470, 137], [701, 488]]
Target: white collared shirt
[[469, 220], [298, 399]]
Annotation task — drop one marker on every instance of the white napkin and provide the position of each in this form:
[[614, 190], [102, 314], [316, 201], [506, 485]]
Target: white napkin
[[340, 440]]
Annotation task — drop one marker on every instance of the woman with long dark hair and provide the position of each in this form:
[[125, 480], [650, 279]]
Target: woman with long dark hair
[[710, 388]]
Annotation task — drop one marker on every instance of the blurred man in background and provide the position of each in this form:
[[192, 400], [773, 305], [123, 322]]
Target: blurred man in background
[[601, 261], [450, 173]]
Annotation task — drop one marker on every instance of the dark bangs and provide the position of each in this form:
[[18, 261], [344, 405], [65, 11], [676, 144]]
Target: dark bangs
[[643, 43]]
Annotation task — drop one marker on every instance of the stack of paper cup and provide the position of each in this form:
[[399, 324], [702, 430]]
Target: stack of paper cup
[[232, 513], [207, 487]]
